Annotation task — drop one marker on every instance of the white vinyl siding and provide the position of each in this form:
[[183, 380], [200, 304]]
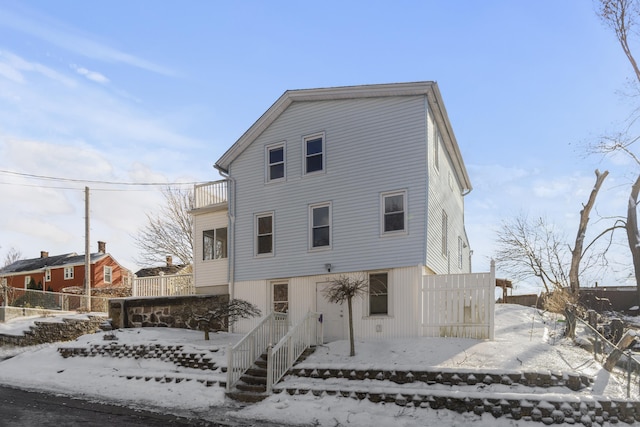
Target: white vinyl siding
[[371, 145]]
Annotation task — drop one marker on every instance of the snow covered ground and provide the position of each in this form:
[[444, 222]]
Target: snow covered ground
[[525, 340]]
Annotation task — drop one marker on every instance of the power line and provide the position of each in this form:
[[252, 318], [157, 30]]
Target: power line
[[75, 188], [87, 181]]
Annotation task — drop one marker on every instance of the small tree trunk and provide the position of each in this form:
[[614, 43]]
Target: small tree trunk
[[632, 233], [576, 252], [206, 333], [352, 349]]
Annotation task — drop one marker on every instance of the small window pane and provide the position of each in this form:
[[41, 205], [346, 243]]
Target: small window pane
[[321, 216], [220, 250], [394, 213], [264, 225], [321, 232], [265, 244], [276, 171], [393, 204], [276, 155], [320, 237], [314, 146]]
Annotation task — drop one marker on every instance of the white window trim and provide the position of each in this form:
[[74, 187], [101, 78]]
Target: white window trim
[[47, 275], [68, 276], [389, 296], [272, 293], [283, 145], [215, 238], [330, 245], [27, 280], [304, 154], [104, 273], [273, 234], [405, 200]]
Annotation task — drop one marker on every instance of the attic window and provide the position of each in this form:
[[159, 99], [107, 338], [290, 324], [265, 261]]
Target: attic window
[[275, 162], [314, 153], [108, 274]]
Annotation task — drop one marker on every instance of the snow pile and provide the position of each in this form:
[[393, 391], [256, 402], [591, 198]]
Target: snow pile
[[525, 340]]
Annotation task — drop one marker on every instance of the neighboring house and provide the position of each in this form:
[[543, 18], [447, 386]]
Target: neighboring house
[[63, 271], [362, 180], [168, 269]]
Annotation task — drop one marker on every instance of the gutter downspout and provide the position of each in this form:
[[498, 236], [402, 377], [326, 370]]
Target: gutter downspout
[[231, 202]]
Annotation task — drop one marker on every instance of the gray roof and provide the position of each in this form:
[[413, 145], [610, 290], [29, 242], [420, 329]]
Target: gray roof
[[42, 263], [155, 271]]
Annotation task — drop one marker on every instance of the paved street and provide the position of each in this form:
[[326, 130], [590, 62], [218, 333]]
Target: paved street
[[20, 408]]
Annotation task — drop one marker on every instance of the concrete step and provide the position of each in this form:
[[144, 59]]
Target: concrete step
[[253, 388], [246, 397], [254, 380]]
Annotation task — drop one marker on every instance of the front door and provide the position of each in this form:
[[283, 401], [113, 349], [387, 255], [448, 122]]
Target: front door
[[333, 315]]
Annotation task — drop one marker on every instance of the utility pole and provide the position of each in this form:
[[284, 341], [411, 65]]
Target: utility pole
[[87, 251]]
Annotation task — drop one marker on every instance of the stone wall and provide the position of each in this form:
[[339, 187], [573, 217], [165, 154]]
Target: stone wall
[[167, 311], [54, 331]]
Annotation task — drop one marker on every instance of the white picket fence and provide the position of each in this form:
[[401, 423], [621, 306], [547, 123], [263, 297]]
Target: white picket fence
[[163, 285], [459, 305]]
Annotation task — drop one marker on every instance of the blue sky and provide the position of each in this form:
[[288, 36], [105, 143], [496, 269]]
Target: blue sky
[[151, 91]]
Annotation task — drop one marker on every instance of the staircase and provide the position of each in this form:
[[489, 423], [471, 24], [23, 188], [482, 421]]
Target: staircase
[[252, 386]]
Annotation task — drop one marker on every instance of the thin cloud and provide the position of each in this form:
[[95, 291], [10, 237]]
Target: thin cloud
[[91, 75], [65, 37]]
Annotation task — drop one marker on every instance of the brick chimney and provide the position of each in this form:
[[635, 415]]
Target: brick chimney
[[102, 247], [169, 260], [44, 254]]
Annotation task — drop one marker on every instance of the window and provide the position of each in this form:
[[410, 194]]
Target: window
[[445, 225], [281, 297], [68, 273], [313, 153], [264, 234], [394, 212], [47, 275], [378, 294], [460, 247], [275, 162], [27, 281], [320, 219], [436, 150], [108, 274], [214, 243]]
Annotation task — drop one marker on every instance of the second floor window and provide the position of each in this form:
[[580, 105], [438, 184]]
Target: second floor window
[[314, 154], [108, 274], [68, 273], [275, 162], [214, 243], [320, 218], [394, 212], [264, 234]]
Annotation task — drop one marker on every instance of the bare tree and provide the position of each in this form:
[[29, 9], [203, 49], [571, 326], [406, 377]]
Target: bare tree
[[622, 17], [533, 250], [12, 256], [345, 288], [222, 316], [169, 231]]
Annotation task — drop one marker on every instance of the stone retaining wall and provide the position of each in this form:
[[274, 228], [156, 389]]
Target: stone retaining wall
[[167, 311], [46, 332]]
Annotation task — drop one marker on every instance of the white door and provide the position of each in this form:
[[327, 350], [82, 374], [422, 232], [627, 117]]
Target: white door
[[334, 316]]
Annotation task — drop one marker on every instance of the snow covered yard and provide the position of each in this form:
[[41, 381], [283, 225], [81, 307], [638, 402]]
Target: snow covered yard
[[525, 341]]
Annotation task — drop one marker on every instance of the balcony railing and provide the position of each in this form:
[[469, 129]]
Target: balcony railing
[[210, 194]]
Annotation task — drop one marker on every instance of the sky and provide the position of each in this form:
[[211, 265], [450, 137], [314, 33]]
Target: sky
[[148, 92], [526, 340]]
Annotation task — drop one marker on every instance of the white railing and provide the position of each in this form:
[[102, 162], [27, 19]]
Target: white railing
[[280, 358], [241, 356], [163, 285], [210, 193], [36, 299]]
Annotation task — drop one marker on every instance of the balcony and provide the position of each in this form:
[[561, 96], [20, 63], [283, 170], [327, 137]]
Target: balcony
[[210, 195]]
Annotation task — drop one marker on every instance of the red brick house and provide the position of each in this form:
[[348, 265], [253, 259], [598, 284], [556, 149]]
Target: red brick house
[[63, 271]]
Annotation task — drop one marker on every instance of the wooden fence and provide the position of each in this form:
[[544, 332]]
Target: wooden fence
[[459, 305], [163, 285]]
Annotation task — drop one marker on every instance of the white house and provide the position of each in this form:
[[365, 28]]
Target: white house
[[348, 180]]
